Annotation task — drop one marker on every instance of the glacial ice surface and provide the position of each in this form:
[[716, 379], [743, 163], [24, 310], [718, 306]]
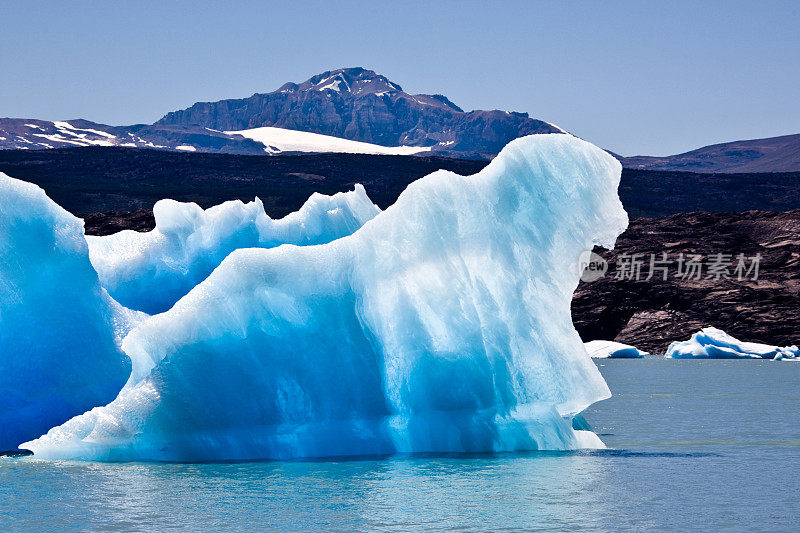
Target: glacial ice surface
[[612, 350], [151, 271], [441, 325], [59, 330], [713, 343]]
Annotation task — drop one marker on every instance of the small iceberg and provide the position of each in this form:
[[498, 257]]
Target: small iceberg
[[612, 350], [442, 325], [713, 343]]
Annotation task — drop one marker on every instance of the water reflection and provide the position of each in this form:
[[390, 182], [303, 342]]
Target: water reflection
[[693, 457], [529, 491]]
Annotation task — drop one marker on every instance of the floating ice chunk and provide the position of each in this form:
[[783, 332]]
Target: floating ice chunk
[[151, 271], [713, 343], [59, 331], [442, 325], [612, 350]]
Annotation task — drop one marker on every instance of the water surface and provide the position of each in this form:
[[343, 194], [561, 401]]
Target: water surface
[[705, 445]]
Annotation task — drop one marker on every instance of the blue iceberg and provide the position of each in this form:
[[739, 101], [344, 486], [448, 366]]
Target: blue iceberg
[[612, 350], [441, 325], [713, 343], [59, 330], [151, 271]]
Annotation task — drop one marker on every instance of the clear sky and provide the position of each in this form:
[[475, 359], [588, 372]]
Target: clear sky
[[635, 77]]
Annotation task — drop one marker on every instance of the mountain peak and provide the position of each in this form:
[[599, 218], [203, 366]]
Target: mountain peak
[[359, 104], [356, 81]]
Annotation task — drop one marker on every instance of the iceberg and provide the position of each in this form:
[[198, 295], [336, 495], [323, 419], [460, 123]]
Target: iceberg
[[59, 330], [612, 350], [713, 343], [151, 271], [441, 325]]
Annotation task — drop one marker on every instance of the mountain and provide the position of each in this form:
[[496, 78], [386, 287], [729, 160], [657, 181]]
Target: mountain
[[32, 134], [351, 110], [361, 105], [775, 154], [355, 110]]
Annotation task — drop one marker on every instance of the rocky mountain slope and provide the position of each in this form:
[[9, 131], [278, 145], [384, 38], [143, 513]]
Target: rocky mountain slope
[[32, 134], [355, 110], [359, 104], [28, 134], [351, 104], [775, 154]]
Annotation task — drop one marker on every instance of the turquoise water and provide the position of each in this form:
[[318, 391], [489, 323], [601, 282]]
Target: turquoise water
[[705, 445]]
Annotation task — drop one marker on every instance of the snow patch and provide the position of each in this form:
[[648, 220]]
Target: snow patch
[[333, 83], [66, 125], [277, 140], [57, 137], [556, 127]]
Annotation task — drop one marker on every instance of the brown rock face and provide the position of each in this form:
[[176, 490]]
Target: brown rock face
[[651, 313]]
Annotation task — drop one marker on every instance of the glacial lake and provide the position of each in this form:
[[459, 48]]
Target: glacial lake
[[693, 445]]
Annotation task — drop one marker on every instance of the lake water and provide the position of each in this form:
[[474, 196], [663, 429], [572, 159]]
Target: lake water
[[694, 445]]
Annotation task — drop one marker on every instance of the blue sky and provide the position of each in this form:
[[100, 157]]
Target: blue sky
[[634, 77]]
